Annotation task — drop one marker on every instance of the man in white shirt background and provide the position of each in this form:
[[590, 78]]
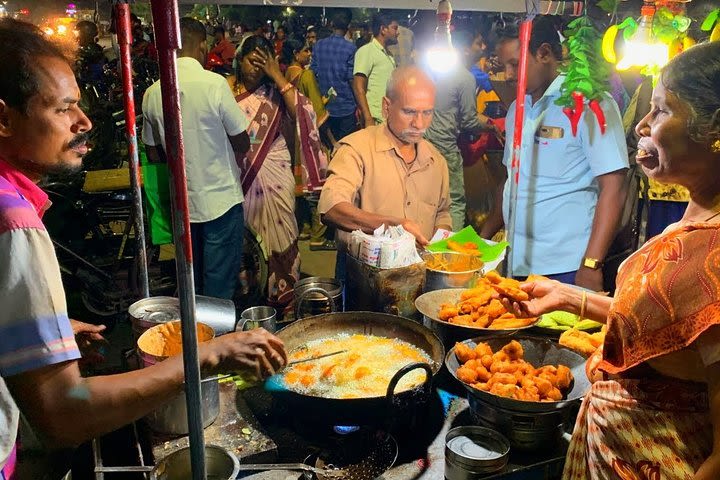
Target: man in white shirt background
[[213, 128]]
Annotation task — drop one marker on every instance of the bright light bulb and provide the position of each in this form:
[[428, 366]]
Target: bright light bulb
[[643, 49], [641, 54], [442, 60], [61, 29]]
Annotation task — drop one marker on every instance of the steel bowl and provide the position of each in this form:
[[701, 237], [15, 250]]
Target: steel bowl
[[538, 352], [429, 305], [469, 270]]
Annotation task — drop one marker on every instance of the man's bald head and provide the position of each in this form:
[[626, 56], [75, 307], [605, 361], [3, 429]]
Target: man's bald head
[[409, 103], [406, 77]]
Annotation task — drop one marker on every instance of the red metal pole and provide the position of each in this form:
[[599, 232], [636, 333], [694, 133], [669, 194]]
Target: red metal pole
[[167, 37], [525, 32], [124, 31]]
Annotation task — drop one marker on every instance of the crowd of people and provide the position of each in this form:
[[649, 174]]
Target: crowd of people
[[369, 136]]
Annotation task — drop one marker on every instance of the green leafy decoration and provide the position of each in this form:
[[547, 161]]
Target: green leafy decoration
[[586, 71], [668, 26], [710, 20]]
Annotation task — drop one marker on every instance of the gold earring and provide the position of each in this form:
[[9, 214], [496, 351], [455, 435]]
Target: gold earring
[[715, 147]]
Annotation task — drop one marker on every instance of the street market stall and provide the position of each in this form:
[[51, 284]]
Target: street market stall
[[331, 438]]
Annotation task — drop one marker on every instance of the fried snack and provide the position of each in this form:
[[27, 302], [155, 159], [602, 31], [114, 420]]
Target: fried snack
[[478, 308], [454, 263], [468, 248], [582, 342], [507, 374]]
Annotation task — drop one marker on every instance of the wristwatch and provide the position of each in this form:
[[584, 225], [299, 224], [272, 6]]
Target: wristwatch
[[592, 263]]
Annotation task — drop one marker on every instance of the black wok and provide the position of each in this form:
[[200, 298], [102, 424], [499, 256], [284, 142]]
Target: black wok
[[538, 352], [368, 410]]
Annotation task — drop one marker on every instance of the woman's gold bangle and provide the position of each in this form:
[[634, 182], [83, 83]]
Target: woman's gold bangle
[[287, 87], [583, 305]]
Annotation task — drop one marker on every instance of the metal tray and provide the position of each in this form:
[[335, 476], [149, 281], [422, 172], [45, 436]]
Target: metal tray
[[429, 305], [538, 352]]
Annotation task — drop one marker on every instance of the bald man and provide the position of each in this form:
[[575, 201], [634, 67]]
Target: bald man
[[389, 174]]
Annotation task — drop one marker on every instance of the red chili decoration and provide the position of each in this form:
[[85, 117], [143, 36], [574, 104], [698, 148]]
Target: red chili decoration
[[598, 111], [574, 114]]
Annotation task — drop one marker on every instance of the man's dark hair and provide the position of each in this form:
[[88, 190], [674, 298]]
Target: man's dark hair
[[341, 19], [219, 29], [86, 28], [380, 20], [24, 44], [545, 30], [192, 32], [462, 39]]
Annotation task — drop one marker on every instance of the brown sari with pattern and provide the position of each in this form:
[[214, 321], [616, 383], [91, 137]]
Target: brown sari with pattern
[[640, 424]]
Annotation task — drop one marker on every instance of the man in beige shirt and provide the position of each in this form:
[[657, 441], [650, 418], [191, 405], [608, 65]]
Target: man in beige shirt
[[389, 174]]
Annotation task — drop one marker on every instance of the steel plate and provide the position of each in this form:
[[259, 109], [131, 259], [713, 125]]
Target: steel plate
[[429, 305]]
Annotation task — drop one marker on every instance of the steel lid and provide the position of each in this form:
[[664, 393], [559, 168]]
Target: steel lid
[[477, 448]]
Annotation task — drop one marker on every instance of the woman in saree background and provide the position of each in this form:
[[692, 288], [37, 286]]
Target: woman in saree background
[[276, 110], [654, 407]]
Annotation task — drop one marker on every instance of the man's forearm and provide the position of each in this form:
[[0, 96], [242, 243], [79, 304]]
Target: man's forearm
[[67, 409], [360, 90], [495, 221], [607, 214], [348, 217]]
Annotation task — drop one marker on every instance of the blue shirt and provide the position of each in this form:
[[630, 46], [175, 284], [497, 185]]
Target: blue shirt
[[333, 59], [558, 191]]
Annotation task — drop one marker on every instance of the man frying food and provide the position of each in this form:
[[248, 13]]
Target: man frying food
[[43, 131]]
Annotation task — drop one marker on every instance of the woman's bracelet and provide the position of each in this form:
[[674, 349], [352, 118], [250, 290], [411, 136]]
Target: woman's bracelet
[[286, 88], [583, 305]]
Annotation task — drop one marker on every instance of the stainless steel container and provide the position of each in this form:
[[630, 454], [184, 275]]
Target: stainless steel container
[[469, 270], [219, 313], [171, 418], [317, 295], [473, 452], [151, 311], [220, 464], [529, 432], [258, 317]]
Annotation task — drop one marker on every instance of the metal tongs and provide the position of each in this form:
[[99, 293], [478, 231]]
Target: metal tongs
[[290, 364], [327, 472]]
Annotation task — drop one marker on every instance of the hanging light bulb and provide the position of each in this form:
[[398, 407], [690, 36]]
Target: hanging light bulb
[[441, 57], [643, 49]]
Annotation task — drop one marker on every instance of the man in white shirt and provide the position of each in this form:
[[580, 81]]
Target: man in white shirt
[[213, 133]]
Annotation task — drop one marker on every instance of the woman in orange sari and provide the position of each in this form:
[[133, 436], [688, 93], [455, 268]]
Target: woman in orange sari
[[276, 109], [654, 410]]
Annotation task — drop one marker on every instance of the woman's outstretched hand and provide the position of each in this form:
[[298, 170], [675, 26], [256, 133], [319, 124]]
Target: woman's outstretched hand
[[545, 296]]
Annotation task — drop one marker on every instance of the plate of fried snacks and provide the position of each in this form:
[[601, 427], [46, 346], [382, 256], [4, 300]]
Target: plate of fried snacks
[[467, 241], [477, 307], [523, 373]]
